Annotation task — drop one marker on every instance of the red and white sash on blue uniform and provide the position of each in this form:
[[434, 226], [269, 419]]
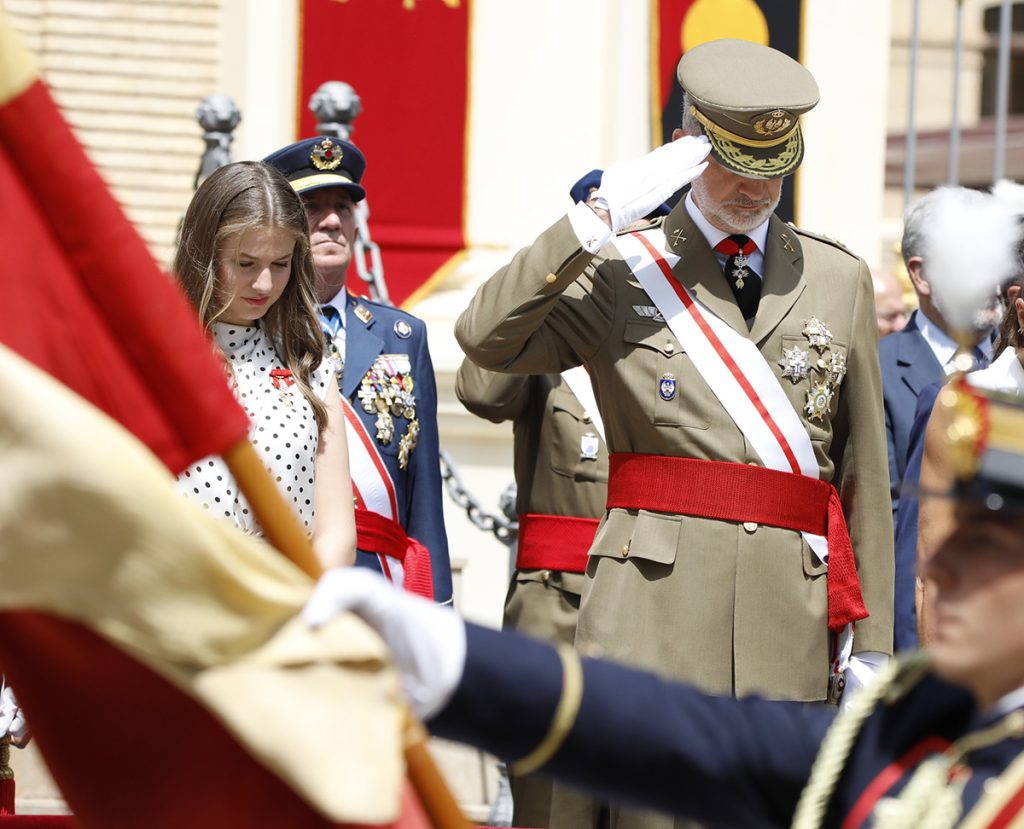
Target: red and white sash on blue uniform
[[371, 482], [731, 365]]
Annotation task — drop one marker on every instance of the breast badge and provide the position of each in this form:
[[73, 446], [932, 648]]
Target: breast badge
[[667, 386], [794, 363], [387, 390], [590, 445], [826, 373], [817, 333]]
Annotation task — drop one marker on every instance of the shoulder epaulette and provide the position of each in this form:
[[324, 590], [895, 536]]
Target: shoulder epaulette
[[826, 239]]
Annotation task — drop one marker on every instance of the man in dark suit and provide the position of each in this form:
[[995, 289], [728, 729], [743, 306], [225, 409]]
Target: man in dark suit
[[387, 377], [922, 353]]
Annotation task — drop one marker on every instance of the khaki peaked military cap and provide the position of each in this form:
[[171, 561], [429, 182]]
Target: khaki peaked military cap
[[749, 98]]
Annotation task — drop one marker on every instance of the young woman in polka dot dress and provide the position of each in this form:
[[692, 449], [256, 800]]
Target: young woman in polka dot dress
[[243, 258]]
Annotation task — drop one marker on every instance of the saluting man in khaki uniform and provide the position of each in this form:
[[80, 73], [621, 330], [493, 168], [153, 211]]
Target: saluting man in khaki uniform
[[700, 569], [561, 472]]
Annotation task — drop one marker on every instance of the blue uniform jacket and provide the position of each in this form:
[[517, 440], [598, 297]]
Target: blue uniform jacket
[[418, 486], [723, 761], [908, 365], [905, 583]]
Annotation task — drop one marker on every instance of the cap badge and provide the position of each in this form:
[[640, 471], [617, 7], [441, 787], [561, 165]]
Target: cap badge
[[773, 123], [667, 386], [326, 155]]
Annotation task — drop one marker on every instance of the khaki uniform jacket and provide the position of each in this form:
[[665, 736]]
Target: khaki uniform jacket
[[735, 608], [552, 478]]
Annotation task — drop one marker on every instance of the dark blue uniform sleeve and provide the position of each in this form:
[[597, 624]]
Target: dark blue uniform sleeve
[[638, 738], [425, 506]]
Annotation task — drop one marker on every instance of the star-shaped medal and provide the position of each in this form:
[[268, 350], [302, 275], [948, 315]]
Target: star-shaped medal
[[794, 363], [817, 333], [819, 398]]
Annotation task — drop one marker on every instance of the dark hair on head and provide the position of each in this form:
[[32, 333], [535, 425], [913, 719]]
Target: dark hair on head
[[243, 196]]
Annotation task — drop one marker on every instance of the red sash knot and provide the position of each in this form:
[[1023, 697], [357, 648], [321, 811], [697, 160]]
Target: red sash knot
[[377, 534], [743, 492]]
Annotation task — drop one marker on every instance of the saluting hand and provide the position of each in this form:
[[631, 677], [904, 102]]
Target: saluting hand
[[631, 189]]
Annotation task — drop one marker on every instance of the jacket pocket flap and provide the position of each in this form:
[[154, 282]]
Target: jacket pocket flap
[[625, 534]]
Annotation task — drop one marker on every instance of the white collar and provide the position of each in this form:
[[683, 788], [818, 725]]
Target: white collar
[[1013, 700], [1006, 374], [759, 234]]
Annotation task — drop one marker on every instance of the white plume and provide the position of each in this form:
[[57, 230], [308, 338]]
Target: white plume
[[970, 251], [1011, 194]]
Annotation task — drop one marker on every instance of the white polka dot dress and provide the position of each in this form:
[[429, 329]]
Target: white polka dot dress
[[282, 429]]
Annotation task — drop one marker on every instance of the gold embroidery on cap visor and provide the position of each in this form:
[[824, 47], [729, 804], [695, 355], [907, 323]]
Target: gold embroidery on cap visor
[[756, 158], [733, 157]]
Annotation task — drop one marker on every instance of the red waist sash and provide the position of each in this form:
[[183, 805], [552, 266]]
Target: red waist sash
[[554, 542], [743, 492], [377, 534]]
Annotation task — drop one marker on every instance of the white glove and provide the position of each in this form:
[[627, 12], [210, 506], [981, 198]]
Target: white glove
[[11, 720], [631, 189], [428, 642], [863, 671]]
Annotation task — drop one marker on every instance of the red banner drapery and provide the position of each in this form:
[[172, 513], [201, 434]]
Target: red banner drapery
[[408, 62]]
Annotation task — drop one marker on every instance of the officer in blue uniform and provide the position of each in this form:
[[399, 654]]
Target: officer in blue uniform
[[387, 374], [936, 741]]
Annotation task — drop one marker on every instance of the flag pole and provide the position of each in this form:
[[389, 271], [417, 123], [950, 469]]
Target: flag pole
[[282, 529]]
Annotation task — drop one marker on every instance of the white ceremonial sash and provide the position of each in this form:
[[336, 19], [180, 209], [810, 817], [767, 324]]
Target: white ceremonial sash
[[579, 384], [729, 363], [371, 482]]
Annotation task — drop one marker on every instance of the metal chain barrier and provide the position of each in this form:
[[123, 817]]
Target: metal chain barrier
[[505, 529]]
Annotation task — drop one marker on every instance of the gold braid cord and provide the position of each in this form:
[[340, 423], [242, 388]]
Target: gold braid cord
[[896, 676], [565, 714], [6, 772], [933, 797]]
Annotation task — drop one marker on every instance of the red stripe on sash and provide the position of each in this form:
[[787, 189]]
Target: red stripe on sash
[[722, 352]]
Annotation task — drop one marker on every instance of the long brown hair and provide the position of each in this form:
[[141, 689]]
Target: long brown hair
[[240, 197]]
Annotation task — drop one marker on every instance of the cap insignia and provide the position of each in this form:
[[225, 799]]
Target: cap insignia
[[770, 124], [326, 155]]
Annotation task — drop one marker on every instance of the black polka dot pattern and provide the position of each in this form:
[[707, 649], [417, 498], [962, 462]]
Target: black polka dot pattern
[[282, 428]]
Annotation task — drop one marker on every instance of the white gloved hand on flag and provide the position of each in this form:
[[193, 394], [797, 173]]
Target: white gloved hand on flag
[[12, 721], [631, 189], [427, 641]]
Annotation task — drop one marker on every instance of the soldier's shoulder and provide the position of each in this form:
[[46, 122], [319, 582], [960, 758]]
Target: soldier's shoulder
[[812, 237]]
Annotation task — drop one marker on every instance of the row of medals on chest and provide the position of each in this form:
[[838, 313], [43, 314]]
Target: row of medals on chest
[[387, 391], [825, 373]]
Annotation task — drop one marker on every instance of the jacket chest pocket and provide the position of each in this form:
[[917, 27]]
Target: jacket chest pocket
[[813, 380], [577, 451], [660, 374]]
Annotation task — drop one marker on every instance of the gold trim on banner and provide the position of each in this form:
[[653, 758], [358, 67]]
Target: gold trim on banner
[[435, 279], [18, 67], [655, 61]]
